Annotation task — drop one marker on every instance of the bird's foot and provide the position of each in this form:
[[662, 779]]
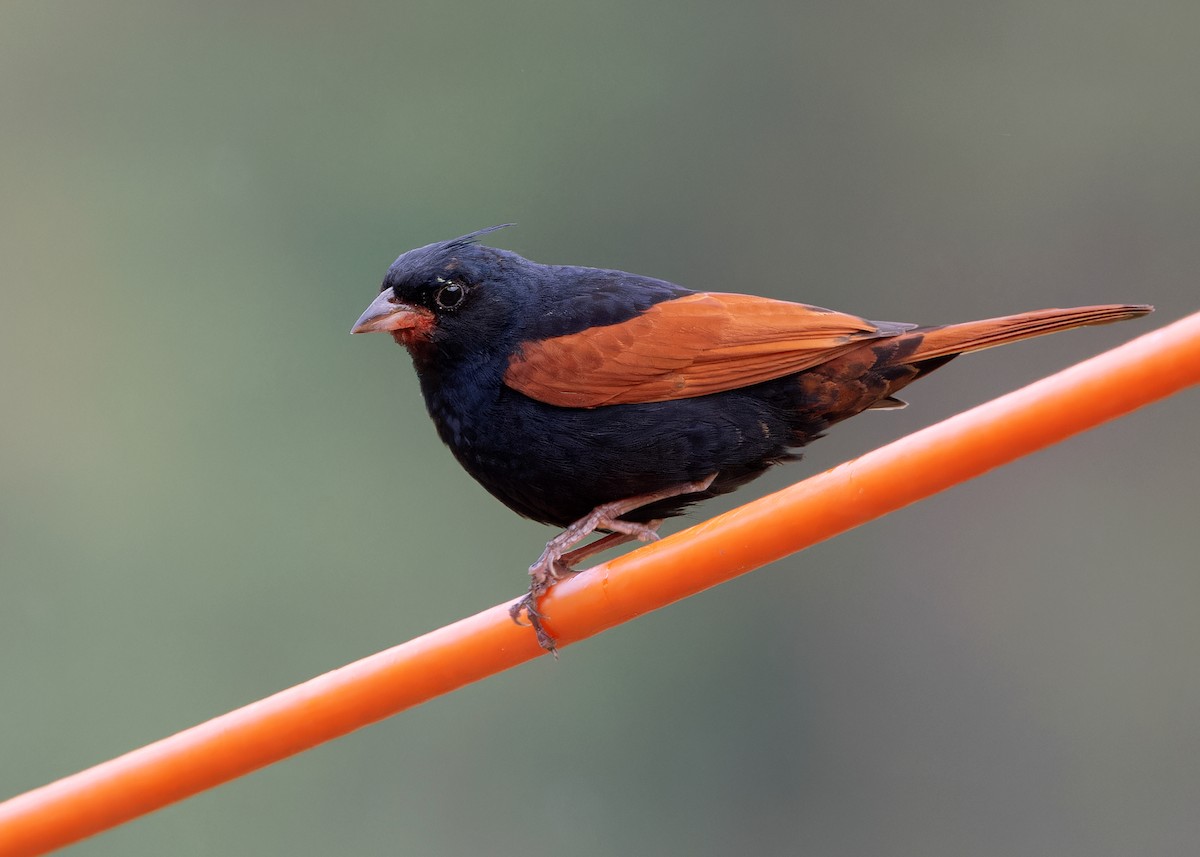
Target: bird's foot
[[558, 560]]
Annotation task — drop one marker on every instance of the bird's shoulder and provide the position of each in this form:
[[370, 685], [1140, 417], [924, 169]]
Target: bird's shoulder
[[572, 299]]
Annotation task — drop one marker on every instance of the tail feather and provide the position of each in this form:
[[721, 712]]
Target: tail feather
[[976, 335], [870, 375]]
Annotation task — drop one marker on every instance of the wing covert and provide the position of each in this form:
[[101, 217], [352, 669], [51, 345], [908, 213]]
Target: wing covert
[[701, 343]]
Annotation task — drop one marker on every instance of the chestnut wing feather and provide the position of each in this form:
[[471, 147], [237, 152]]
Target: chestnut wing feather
[[702, 343]]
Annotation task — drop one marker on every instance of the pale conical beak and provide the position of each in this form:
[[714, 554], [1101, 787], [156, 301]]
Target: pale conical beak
[[387, 313]]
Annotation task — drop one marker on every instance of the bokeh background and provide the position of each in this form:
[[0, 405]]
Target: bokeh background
[[209, 491]]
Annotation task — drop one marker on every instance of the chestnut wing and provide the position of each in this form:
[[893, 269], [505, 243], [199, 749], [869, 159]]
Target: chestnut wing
[[701, 343]]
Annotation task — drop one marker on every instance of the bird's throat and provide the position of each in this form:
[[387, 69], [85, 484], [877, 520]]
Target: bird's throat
[[417, 339]]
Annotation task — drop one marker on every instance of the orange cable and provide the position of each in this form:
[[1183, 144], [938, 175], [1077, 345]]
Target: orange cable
[[1149, 368]]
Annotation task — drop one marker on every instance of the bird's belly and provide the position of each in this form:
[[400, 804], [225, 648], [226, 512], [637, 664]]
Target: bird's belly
[[555, 465]]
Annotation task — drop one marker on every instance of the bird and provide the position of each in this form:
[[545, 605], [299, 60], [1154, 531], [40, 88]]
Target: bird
[[600, 401]]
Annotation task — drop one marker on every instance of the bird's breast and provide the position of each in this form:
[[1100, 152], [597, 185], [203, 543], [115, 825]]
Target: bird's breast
[[462, 401]]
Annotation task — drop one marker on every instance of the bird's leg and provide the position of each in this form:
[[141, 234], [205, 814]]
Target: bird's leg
[[566, 568], [557, 560], [600, 545]]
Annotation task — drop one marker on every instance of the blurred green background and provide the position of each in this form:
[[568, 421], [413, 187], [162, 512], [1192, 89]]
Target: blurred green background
[[209, 491]]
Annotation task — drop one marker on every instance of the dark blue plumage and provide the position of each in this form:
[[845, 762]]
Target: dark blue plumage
[[555, 464]]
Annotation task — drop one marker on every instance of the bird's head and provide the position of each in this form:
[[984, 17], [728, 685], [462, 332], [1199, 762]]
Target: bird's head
[[444, 297]]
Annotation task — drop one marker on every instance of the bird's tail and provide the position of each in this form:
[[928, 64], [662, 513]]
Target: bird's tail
[[952, 339], [869, 376]]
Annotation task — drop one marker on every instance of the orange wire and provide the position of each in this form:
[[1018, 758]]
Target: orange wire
[[1149, 368]]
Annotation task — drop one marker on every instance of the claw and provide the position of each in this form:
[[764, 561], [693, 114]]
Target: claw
[[524, 605], [558, 560]]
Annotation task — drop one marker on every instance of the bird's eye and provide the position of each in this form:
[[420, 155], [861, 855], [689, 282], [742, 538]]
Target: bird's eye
[[450, 296]]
